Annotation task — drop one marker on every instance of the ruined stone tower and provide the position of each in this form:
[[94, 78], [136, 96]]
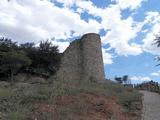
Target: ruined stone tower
[[82, 60]]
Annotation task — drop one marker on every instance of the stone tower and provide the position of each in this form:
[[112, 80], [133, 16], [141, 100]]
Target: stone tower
[[82, 60]]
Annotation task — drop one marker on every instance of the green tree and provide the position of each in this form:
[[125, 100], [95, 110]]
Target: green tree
[[12, 61], [157, 40], [52, 57], [45, 57], [7, 45], [125, 79], [157, 43], [119, 79]]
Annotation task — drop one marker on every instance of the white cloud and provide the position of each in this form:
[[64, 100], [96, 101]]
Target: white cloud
[[61, 45], [156, 73], [131, 4], [121, 32], [107, 58], [140, 79], [34, 20], [66, 2], [152, 18]]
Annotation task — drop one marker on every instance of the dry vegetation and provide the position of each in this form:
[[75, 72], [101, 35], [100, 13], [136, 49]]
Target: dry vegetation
[[63, 100]]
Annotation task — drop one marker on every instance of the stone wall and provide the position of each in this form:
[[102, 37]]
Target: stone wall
[[82, 60]]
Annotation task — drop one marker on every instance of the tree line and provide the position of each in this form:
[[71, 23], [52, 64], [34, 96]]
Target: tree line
[[42, 59]]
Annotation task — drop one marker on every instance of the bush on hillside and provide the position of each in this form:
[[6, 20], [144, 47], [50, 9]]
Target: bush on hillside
[[40, 60]]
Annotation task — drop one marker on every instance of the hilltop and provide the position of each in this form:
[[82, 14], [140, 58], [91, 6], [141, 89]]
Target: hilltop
[[38, 86], [69, 101]]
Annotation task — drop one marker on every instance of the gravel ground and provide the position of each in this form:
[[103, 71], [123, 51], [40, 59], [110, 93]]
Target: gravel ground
[[151, 106]]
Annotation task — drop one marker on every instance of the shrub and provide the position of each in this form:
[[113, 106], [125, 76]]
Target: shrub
[[18, 115]]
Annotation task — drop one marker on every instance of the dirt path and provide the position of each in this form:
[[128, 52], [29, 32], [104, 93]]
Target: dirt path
[[151, 106]]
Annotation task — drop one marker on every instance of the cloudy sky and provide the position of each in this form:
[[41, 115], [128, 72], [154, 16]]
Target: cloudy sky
[[127, 29]]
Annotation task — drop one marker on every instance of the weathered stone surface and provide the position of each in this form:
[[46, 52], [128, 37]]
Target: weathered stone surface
[[82, 60]]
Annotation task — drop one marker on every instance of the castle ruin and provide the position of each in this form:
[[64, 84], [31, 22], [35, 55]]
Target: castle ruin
[[82, 60]]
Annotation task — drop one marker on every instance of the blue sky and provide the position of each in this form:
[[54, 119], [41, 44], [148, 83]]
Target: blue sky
[[127, 29]]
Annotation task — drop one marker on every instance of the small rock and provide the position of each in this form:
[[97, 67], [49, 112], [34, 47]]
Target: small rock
[[1, 116]]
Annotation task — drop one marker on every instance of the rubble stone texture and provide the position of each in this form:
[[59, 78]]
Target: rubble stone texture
[[82, 60]]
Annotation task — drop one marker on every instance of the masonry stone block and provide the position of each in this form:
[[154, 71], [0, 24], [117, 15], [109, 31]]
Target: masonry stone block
[[82, 60]]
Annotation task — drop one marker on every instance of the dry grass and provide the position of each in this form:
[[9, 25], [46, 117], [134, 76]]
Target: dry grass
[[69, 101]]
